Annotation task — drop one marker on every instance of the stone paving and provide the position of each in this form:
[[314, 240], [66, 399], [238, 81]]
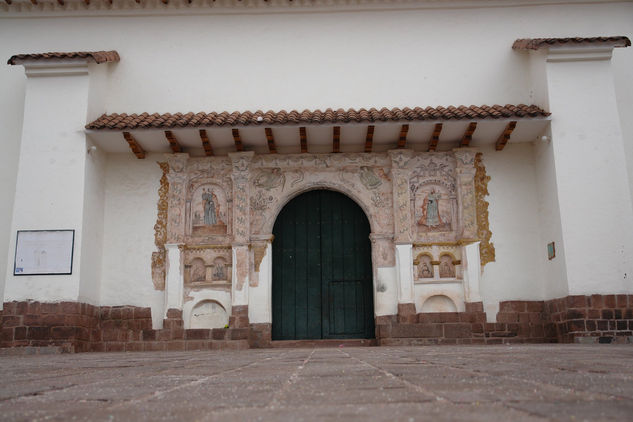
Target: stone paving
[[445, 383]]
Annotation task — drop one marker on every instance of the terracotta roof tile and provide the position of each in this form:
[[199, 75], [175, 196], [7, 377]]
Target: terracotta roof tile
[[97, 56], [178, 120], [538, 43]]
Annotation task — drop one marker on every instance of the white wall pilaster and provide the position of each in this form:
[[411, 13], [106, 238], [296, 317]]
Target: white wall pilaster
[[174, 281], [590, 178], [59, 184]]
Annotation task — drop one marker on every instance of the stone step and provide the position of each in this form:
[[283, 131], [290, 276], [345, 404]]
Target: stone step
[[323, 343]]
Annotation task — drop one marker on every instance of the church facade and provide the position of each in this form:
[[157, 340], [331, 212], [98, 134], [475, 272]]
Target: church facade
[[200, 174]]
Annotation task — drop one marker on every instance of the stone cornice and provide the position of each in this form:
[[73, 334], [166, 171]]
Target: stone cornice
[[54, 8]]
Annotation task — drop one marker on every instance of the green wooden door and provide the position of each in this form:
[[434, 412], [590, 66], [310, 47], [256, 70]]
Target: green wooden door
[[322, 275]]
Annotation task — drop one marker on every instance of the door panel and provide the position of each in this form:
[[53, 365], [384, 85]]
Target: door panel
[[322, 278]]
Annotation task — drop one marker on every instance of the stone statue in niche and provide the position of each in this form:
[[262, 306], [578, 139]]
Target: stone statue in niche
[[211, 208], [433, 211], [447, 268], [219, 270], [208, 211], [425, 267], [198, 270]]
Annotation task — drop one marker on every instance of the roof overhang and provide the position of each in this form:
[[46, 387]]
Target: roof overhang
[[428, 129]]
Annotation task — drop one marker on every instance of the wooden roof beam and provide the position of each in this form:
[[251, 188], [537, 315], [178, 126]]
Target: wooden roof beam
[[238, 140], [369, 138], [134, 145], [34, 2], [402, 140], [8, 2], [435, 138], [271, 140], [336, 139], [468, 135], [60, 2], [173, 142], [206, 144], [505, 136], [303, 137]]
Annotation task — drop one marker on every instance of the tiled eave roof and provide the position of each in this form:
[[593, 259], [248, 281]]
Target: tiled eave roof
[[97, 56], [538, 43], [179, 120]]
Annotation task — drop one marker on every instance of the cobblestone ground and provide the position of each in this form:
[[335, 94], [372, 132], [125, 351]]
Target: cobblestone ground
[[513, 383]]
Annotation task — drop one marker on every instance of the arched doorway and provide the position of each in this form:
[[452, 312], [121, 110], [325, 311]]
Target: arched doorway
[[322, 272]]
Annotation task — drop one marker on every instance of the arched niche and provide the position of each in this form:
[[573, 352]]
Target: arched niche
[[447, 265], [208, 314], [439, 303]]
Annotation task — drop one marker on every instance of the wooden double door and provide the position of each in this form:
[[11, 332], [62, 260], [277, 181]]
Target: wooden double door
[[322, 272]]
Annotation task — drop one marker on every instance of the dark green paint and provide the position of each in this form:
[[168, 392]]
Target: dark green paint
[[322, 275]]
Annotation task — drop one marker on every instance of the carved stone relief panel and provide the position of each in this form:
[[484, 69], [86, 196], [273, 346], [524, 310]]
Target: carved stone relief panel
[[177, 178], [207, 266], [434, 262], [275, 179]]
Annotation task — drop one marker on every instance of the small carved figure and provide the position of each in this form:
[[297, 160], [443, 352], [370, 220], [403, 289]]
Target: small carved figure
[[425, 267], [447, 269], [198, 270], [369, 178], [219, 272]]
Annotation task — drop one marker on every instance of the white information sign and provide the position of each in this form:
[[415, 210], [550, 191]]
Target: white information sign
[[44, 252]]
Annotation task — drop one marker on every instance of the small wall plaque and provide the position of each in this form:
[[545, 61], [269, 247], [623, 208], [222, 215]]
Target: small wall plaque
[[551, 251], [44, 252]]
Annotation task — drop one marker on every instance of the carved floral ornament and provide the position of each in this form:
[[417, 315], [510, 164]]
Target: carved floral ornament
[[422, 198]]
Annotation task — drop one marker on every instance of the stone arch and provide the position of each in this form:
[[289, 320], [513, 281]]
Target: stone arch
[[439, 303], [278, 205]]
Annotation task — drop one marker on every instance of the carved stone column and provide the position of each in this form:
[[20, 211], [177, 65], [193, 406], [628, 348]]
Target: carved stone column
[[402, 231], [177, 177], [240, 162], [467, 200]]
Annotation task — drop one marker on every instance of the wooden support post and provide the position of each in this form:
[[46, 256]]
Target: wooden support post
[[304, 139], [271, 140], [505, 136], [238, 141], [173, 142], [402, 140], [435, 138], [468, 135], [206, 144], [336, 139], [369, 139], [134, 145]]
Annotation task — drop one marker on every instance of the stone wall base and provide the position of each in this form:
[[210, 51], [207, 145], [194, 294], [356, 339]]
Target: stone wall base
[[79, 327], [580, 319]]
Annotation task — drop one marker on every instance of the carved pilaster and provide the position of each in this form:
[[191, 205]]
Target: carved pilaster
[[465, 158], [401, 197], [177, 178], [486, 248], [240, 163], [160, 231]]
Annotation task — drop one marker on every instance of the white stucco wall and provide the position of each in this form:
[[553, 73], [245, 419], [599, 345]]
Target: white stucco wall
[[203, 61], [131, 192], [12, 106], [513, 217]]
